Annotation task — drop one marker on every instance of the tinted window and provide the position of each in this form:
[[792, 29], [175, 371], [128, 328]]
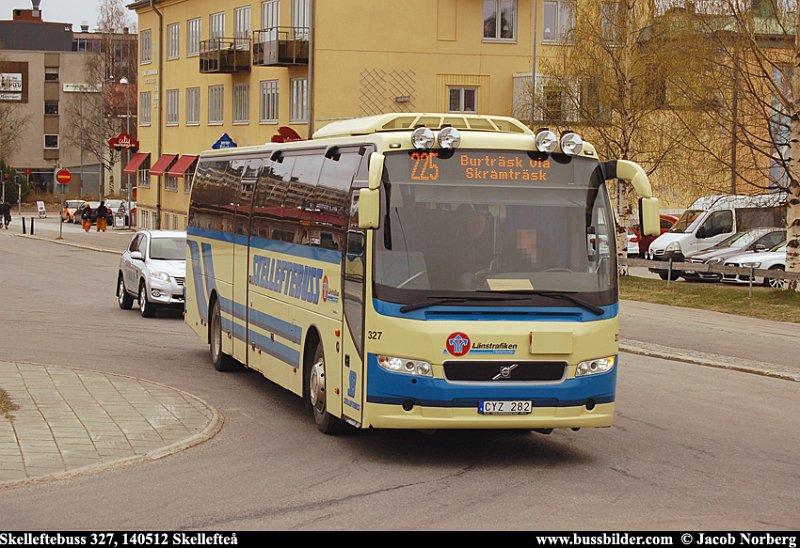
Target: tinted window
[[211, 190]]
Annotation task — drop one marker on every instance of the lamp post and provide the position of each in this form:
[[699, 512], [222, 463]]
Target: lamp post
[[124, 81]]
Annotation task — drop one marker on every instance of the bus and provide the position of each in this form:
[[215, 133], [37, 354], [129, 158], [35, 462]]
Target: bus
[[416, 271]]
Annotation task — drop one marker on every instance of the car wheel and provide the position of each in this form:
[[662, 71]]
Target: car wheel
[[147, 308], [773, 282], [123, 297], [665, 275], [221, 361], [315, 383]]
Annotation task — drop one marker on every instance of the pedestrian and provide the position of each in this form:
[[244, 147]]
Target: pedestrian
[[102, 213], [86, 217], [5, 211]]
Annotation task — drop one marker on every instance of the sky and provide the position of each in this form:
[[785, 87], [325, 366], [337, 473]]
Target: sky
[[57, 11]]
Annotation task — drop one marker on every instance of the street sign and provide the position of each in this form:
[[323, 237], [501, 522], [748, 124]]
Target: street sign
[[64, 176]]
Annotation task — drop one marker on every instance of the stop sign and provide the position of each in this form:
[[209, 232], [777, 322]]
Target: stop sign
[[64, 176]]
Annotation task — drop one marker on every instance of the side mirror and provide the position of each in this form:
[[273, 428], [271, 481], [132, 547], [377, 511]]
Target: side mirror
[[760, 247], [375, 170], [137, 256], [649, 218], [369, 207]]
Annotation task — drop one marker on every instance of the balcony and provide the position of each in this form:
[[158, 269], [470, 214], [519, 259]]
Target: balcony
[[225, 55], [280, 46]]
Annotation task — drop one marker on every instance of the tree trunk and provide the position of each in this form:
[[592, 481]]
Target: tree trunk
[[793, 198]]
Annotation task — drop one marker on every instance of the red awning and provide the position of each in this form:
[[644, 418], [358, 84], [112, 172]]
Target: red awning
[[133, 166], [162, 164], [179, 168]]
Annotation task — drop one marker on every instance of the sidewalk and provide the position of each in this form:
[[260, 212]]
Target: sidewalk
[[66, 421]]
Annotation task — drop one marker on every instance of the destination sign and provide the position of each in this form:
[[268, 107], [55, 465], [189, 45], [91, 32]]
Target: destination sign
[[480, 166]]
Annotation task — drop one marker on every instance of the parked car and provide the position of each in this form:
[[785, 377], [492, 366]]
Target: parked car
[[633, 244], [152, 270], [748, 241], [774, 259], [644, 241], [94, 206], [69, 209]]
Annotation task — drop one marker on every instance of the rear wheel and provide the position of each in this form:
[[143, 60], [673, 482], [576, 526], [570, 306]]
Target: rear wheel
[[773, 282], [665, 275], [147, 308], [221, 361], [123, 297], [326, 423]]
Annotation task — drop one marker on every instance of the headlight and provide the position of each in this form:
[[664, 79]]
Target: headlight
[[405, 365], [753, 265], [422, 138], [160, 276], [715, 260], [600, 365], [673, 247], [449, 138], [571, 143], [546, 141]]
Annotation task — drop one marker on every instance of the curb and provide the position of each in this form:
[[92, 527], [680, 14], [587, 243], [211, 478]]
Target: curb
[[708, 360], [212, 428], [62, 242]]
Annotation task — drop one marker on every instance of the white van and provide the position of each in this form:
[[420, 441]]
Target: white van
[[711, 219]]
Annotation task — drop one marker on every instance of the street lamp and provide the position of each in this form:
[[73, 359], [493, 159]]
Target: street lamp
[[124, 81]]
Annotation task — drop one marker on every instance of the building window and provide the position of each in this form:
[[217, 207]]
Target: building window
[[612, 22], [462, 99], [216, 104], [145, 46], [192, 106], [193, 37], [270, 14], [216, 26], [188, 177], [173, 41], [554, 103], [241, 103], [51, 74], [51, 108], [241, 27], [173, 106], [268, 112], [301, 19], [559, 21], [154, 219], [143, 216], [298, 104], [499, 19], [51, 142], [171, 183], [145, 108], [143, 175]]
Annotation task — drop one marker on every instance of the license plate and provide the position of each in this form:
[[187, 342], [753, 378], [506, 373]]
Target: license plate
[[503, 407]]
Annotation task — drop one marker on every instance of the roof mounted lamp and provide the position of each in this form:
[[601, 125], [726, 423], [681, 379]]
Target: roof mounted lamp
[[422, 138]]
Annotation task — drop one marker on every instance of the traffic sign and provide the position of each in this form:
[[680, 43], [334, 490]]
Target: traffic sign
[[64, 176]]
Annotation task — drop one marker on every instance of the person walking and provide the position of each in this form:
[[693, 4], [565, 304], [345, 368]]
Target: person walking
[[5, 213], [102, 214], [86, 218]]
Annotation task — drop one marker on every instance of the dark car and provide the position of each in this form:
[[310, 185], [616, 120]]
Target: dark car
[[94, 206], [747, 241]]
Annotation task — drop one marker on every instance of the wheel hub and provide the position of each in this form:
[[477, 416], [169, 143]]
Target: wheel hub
[[317, 386]]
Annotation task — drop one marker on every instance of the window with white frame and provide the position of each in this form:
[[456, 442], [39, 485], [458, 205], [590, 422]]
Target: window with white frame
[[193, 37], [268, 111], [271, 17], [145, 46], [298, 101], [154, 219], [144, 216], [558, 21], [301, 19], [145, 108], [499, 19], [612, 22], [557, 99], [51, 142], [188, 177], [216, 27], [143, 174], [241, 27], [241, 103], [192, 106], [173, 41], [173, 104], [462, 99], [216, 104], [170, 183]]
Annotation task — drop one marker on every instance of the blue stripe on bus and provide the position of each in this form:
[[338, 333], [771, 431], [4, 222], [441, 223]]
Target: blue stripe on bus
[[208, 265], [197, 278], [494, 313], [275, 246], [395, 388], [275, 349], [264, 321]]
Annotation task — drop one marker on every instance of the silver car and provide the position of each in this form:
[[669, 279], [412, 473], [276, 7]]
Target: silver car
[[152, 270]]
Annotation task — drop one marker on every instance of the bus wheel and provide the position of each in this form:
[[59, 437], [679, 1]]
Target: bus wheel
[[326, 423], [222, 362]]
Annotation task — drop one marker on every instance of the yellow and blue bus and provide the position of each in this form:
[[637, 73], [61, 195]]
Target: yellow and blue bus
[[424, 271]]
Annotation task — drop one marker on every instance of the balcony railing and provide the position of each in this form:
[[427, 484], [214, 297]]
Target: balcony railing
[[280, 46], [225, 55]]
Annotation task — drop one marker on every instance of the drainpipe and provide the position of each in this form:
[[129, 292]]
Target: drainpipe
[[535, 35], [160, 107], [311, 69]]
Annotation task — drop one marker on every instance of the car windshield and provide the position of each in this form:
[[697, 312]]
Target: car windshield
[[780, 248], [168, 249], [689, 216], [74, 203], [474, 222]]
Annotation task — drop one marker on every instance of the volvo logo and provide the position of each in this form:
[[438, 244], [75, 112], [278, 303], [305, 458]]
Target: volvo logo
[[505, 372]]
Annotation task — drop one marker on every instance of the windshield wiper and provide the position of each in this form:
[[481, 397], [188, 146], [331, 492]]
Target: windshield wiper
[[433, 300], [564, 295]]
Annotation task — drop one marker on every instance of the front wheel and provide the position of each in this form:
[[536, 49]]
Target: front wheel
[[123, 298], [326, 423], [147, 308], [774, 282], [665, 275]]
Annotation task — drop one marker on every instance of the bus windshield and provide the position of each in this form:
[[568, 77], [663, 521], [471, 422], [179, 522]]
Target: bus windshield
[[490, 223]]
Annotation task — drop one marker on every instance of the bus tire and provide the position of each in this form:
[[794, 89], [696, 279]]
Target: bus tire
[[326, 423], [221, 361]]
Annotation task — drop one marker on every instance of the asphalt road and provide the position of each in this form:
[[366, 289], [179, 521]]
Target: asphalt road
[[692, 447]]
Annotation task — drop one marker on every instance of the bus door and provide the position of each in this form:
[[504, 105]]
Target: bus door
[[353, 294], [247, 169]]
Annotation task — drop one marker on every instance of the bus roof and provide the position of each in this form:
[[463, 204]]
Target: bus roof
[[409, 121]]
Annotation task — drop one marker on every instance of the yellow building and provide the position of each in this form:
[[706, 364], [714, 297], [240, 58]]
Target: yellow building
[[240, 71]]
